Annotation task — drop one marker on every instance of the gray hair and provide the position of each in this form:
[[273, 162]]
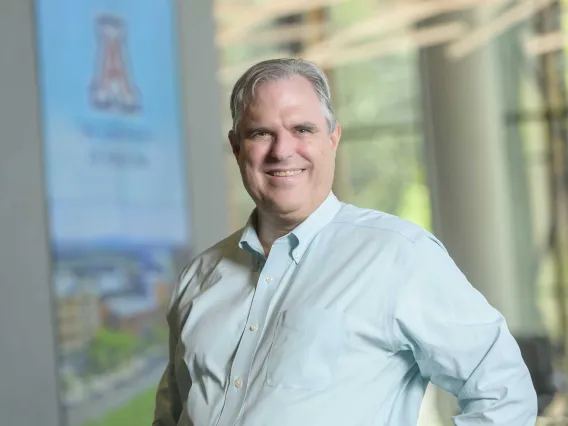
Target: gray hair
[[274, 70]]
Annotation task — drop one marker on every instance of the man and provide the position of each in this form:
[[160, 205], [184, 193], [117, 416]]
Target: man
[[320, 313]]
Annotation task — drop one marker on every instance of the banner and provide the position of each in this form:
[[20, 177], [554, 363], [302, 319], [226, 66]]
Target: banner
[[114, 161]]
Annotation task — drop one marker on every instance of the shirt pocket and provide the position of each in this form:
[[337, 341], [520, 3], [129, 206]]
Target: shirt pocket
[[305, 349]]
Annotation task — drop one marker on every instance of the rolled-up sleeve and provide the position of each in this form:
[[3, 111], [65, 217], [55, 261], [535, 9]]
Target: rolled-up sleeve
[[459, 341]]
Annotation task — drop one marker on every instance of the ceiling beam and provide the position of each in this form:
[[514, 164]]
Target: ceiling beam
[[423, 37], [395, 17], [543, 44], [342, 47], [482, 35], [427, 36], [244, 22], [296, 32]]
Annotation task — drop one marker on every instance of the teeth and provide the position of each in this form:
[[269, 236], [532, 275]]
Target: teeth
[[286, 173]]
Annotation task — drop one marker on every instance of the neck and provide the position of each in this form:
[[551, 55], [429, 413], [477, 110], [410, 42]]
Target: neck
[[270, 225], [270, 228]]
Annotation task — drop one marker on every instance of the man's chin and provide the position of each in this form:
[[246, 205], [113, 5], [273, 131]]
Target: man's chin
[[285, 205]]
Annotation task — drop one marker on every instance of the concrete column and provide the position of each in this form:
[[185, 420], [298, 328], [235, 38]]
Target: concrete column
[[29, 385], [474, 167], [467, 162], [206, 159]]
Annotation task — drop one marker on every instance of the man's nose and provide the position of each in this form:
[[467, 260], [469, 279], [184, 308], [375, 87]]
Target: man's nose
[[283, 146]]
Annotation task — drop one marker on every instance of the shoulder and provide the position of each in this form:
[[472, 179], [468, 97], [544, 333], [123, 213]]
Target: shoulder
[[202, 268], [386, 228], [209, 258]]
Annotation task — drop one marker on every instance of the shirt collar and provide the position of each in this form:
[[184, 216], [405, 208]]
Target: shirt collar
[[249, 239], [302, 235]]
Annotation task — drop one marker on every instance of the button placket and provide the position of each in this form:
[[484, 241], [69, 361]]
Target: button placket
[[242, 363]]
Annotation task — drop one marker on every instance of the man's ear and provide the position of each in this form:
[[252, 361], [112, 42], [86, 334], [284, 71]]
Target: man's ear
[[335, 137], [234, 141]]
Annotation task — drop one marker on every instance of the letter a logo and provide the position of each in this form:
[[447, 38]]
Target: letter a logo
[[111, 88]]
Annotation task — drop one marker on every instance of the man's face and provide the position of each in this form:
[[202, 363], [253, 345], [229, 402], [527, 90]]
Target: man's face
[[284, 150]]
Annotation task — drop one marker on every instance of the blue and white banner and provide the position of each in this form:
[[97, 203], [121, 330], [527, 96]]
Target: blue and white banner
[[115, 185], [113, 141]]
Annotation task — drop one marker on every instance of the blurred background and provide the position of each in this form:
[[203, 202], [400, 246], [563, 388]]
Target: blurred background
[[115, 170]]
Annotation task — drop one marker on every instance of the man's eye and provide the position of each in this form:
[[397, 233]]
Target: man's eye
[[303, 130]]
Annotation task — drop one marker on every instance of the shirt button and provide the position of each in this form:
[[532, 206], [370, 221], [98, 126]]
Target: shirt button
[[253, 327], [238, 383], [268, 279]]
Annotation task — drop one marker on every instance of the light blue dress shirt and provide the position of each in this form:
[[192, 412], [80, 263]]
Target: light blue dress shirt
[[343, 324]]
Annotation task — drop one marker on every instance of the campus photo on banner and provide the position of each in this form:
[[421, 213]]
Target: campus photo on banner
[[117, 201]]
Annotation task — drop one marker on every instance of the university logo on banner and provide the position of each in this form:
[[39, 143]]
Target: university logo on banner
[[112, 88]]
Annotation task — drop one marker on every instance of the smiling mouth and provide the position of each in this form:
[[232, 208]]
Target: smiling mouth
[[286, 173]]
